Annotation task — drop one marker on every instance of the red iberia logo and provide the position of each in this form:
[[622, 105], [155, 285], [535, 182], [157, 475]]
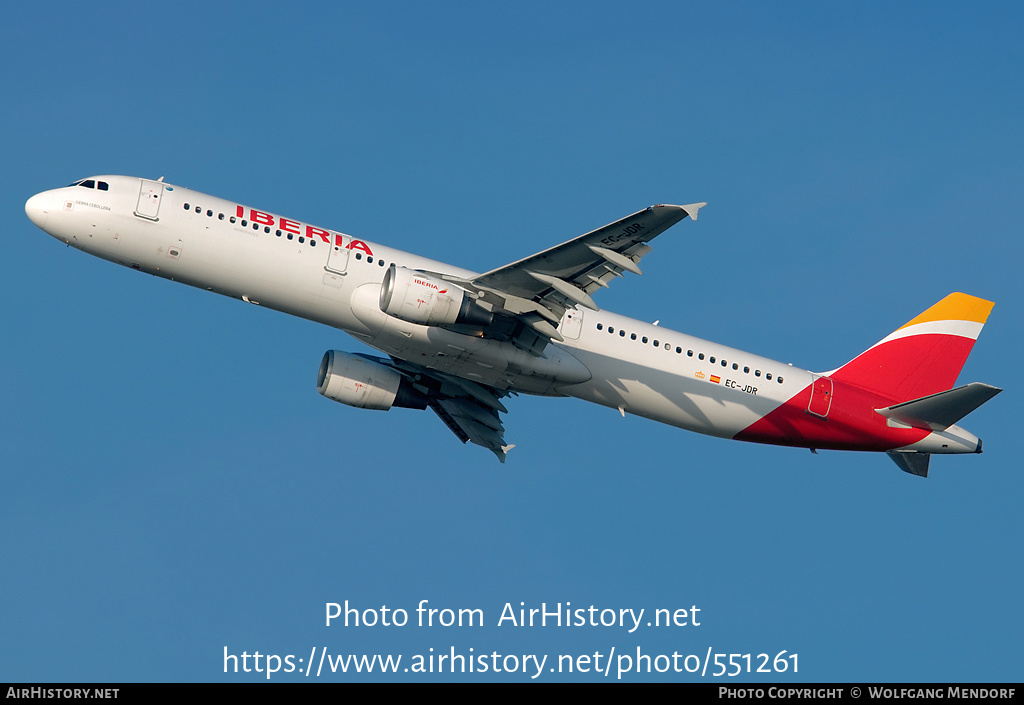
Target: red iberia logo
[[716, 379], [429, 285], [296, 228]]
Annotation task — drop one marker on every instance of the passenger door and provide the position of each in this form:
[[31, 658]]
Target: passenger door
[[150, 195]]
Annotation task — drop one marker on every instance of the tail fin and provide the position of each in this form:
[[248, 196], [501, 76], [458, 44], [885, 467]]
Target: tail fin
[[924, 356]]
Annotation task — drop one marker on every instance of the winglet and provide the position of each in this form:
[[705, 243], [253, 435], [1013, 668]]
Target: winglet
[[692, 208]]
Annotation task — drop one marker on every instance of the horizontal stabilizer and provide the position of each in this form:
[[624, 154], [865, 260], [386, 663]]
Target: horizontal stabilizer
[[914, 463], [937, 412]]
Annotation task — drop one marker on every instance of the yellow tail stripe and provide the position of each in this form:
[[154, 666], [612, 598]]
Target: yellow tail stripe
[[956, 307]]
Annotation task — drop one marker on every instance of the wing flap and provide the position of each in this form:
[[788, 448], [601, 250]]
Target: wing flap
[[470, 410], [474, 423]]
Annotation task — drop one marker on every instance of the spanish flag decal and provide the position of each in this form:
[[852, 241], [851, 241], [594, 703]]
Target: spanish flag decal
[[716, 379]]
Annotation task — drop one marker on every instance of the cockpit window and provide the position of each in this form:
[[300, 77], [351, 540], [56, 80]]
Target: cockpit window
[[91, 183]]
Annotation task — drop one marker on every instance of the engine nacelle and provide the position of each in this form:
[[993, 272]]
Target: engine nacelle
[[418, 298], [364, 383]]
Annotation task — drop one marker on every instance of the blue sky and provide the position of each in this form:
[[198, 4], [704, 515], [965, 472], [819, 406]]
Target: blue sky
[[174, 485]]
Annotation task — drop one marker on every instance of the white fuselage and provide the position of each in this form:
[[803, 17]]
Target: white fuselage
[[334, 279]]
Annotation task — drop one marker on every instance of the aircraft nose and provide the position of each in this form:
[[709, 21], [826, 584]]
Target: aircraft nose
[[38, 207]]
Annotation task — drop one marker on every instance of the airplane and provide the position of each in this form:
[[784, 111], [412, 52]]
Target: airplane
[[459, 342]]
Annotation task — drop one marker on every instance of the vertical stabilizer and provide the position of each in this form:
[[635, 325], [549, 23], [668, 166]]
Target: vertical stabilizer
[[925, 355]]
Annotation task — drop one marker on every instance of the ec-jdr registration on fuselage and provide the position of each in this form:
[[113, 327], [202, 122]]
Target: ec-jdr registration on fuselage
[[459, 342]]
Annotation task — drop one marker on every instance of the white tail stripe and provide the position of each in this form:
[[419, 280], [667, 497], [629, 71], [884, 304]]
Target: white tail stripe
[[964, 329]]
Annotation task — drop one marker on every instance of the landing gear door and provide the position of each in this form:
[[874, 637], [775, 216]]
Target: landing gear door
[[821, 397], [337, 257], [150, 195], [571, 323]]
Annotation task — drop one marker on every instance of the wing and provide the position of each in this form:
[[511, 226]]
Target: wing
[[470, 410], [530, 296], [528, 299]]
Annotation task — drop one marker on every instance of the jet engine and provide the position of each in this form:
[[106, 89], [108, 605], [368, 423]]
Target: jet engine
[[419, 298], [364, 383]]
